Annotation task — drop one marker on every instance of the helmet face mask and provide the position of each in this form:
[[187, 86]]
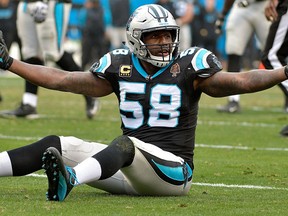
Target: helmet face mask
[[150, 18]]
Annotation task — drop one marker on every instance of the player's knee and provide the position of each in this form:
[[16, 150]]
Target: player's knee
[[51, 141], [125, 145], [71, 143]]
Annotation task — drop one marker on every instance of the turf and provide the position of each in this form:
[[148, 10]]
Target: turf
[[240, 159]]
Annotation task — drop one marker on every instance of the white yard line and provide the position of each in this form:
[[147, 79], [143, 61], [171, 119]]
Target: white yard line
[[2, 136], [207, 184], [239, 147], [200, 145], [239, 186], [244, 124]]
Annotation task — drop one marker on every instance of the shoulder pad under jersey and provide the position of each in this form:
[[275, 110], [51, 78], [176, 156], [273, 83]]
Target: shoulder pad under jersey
[[201, 61], [110, 62]]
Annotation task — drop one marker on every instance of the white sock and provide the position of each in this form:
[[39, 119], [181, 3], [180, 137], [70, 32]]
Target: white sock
[[87, 171], [235, 98], [29, 98], [5, 164]]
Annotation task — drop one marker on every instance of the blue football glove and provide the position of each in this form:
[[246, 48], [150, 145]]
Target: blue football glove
[[5, 59]]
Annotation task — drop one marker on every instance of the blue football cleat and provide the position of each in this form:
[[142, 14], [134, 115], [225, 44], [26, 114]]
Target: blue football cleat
[[61, 178]]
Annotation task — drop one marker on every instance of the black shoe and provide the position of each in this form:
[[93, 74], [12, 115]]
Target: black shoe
[[61, 178], [231, 107], [23, 111], [92, 106], [284, 131]]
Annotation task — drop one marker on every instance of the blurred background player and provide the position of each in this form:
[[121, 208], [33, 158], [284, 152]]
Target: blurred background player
[[203, 25], [8, 13], [42, 28], [184, 16], [94, 42], [275, 53], [245, 19], [120, 13]]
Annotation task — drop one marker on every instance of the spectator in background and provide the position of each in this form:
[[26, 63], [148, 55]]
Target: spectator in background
[[120, 12], [94, 42], [168, 5], [184, 17], [196, 23], [203, 30]]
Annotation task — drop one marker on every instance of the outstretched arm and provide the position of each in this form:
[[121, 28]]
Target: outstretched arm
[[224, 84], [78, 82], [52, 78]]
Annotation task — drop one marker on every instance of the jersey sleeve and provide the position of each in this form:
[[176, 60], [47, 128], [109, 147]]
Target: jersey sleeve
[[109, 66], [100, 67], [202, 62]]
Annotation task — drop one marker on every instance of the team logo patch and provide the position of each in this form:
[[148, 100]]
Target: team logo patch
[[175, 70], [125, 71]]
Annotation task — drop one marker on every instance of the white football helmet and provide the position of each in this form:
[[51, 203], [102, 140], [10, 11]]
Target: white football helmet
[[148, 18]]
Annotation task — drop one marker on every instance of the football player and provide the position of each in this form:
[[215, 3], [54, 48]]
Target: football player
[[245, 20], [275, 53], [158, 90], [42, 27]]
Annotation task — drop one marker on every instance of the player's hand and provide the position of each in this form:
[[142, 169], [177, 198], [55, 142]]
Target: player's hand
[[5, 59], [219, 24], [270, 11], [39, 12]]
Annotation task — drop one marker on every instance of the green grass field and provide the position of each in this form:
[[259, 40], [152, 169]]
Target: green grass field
[[240, 160]]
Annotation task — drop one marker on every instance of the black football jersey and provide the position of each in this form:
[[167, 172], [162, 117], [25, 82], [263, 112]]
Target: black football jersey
[[160, 109]]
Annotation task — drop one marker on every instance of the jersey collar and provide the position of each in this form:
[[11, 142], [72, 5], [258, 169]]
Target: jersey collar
[[141, 70]]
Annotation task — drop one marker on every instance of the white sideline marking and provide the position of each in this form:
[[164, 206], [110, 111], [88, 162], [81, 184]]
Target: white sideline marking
[[196, 145], [239, 147], [239, 186], [2, 136], [244, 124], [206, 184]]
